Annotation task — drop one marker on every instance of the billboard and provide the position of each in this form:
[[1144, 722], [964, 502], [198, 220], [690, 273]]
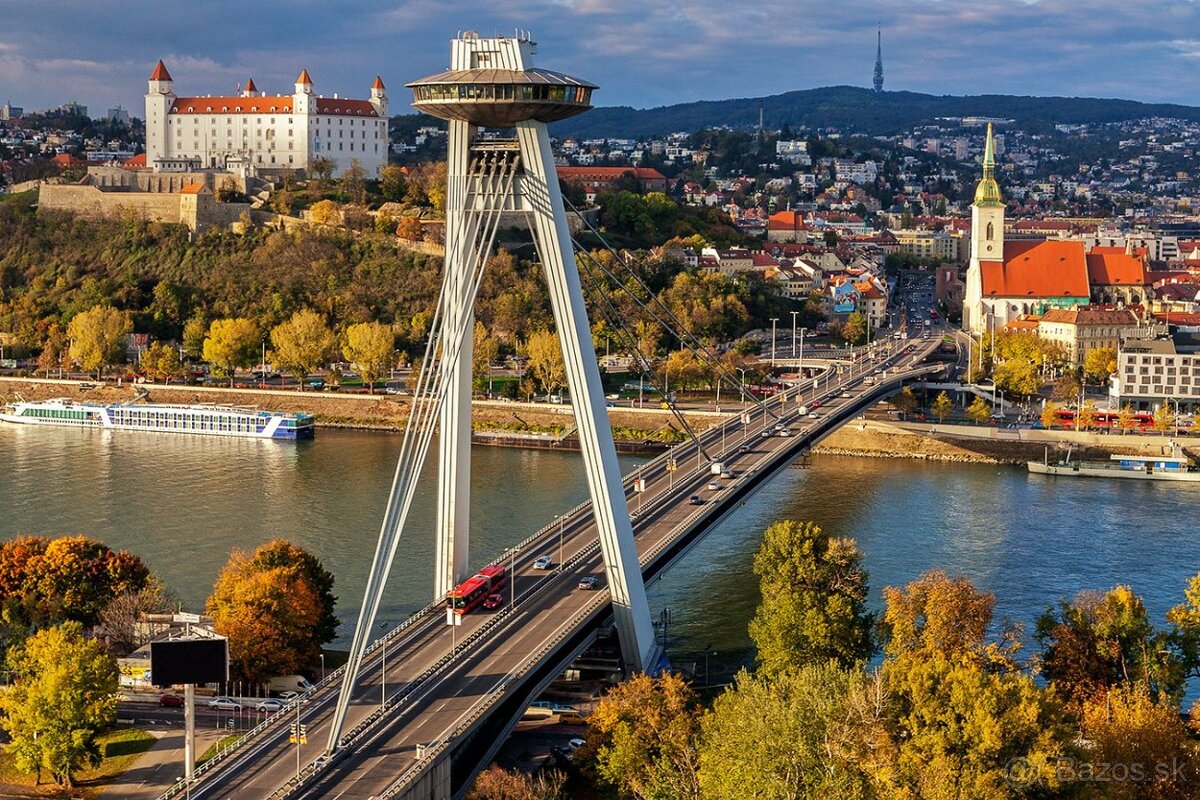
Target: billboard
[[192, 660], [845, 298]]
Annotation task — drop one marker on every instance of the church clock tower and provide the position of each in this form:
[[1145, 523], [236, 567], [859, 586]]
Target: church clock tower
[[987, 237]]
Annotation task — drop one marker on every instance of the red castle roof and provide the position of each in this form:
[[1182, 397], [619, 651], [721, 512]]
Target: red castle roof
[[250, 87], [304, 77], [378, 84], [160, 72], [277, 104]]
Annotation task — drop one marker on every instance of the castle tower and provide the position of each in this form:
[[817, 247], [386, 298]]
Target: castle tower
[[987, 237], [879, 60], [379, 97], [251, 90], [160, 95]]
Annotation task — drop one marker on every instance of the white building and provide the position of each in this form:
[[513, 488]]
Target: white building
[[259, 132], [1151, 372]]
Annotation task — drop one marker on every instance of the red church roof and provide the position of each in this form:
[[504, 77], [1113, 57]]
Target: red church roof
[[160, 72], [1037, 269], [1107, 268], [378, 84]]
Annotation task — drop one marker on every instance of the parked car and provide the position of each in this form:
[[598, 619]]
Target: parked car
[[225, 704], [170, 700], [543, 562], [588, 582], [269, 706]]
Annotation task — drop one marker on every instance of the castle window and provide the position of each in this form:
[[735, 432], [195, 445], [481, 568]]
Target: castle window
[[990, 231]]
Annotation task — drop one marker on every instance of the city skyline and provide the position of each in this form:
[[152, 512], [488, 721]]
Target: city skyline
[[100, 56]]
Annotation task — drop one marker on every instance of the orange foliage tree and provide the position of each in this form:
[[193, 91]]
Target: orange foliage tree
[[276, 608]]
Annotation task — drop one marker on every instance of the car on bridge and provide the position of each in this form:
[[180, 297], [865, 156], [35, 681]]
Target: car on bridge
[[270, 705], [714, 486], [494, 600], [543, 562], [696, 500], [588, 582]]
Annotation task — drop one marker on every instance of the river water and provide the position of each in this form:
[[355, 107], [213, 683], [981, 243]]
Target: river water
[[183, 503]]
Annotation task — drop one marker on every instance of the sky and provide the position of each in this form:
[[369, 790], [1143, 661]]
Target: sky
[[642, 53]]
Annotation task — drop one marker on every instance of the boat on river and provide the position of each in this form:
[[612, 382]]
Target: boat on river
[[207, 419], [1176, 467]]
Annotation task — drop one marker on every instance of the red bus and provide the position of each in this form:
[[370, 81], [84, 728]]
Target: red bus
[[474, 590], [1142, 421]]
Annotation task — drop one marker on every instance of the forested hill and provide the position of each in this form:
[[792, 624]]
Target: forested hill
[[850, 108]]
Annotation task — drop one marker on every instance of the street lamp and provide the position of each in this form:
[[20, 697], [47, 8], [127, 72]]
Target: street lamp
[[773, 321], [322, 666], [795, 314], [743, 384]]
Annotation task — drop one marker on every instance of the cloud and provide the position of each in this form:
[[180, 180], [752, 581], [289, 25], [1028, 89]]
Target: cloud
[[641, 53]]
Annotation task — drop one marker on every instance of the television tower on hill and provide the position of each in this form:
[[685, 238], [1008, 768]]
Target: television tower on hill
[[879, 60]]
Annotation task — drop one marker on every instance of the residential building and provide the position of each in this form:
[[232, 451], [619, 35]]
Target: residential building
[[601, 179], [1153, 371], [928, 245], [260, 133], [1080, 330]]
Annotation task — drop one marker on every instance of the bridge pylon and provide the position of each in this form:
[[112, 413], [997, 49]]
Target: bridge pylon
[[492, 83]]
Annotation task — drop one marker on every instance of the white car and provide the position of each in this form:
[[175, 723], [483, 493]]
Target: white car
[[813, 415], [270, 705], [785, 433], [543, 562], [714, 486], [224, 704]]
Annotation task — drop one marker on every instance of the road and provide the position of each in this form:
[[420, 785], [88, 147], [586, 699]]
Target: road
[[437, 684]]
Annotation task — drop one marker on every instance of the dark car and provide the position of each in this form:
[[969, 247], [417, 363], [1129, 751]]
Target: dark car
[[494, 600], [588, 582], [171, 701], [696, 500]]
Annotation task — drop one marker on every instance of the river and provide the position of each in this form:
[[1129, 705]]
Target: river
[[183, 503]]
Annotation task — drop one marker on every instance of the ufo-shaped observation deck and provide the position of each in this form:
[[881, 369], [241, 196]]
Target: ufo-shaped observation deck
[[500, 98]]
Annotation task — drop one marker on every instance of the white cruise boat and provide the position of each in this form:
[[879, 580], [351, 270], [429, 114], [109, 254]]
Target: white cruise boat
[[205, 419], [1176, 467]]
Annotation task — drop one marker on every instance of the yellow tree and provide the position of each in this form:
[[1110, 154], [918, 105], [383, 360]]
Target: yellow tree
[[980, 411], [546, 360], [1163, 418], [370, 347], [230, 344], [325, 212], [98, 337], [63, 693], [1126, 420], [484, 350], [1050, 415], [302, 344], [1099, 364], [1087, 415], [942, 407]]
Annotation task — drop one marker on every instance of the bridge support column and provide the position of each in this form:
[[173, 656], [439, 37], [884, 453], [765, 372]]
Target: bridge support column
[[543, 199]]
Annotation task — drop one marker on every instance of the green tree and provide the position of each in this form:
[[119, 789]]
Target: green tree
[[1099, 364], [791, 735], [230, 344], [980, 411], [370, 347], [942, 407], [195, 331], [98, 337], [855, 329], [64, 692], [393, 183], [642, 739], [302, 344], [546, 360], [814, 592], [904, 401]]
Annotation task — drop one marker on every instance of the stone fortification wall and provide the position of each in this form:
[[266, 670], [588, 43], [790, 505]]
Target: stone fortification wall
[[89, 201]]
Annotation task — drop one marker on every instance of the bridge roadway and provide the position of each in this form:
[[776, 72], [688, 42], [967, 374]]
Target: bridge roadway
[[442, 680]]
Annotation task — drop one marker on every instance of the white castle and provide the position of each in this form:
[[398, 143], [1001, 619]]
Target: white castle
[[256, 132]]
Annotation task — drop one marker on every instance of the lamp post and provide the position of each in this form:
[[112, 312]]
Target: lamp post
[[562, 524], [322, 666], [795, 314], [743, 384], [773, 321], [262, 367]]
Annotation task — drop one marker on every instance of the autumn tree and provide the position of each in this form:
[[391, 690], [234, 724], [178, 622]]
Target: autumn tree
[[1128, 728], [409, 228], [1018, 377], [370, 347], [119, 620], [54, 350], [796, 734], [230, 344], [302, 344], [1126, 420], [160, 361], [642, 739], [484, 351], [1087, 415], [63, 693], [98, 337], [962, 709], [275, 606], [1099, 364], [1066, 389], [195, 331], [1163, 419], [904, 401], [942, 407], [1098, 641], [546, 360], [325, 212], [497, 783], [980, 411], [354, 182], [1049, 418], [814, 592], [855, 330], [321, 168]]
